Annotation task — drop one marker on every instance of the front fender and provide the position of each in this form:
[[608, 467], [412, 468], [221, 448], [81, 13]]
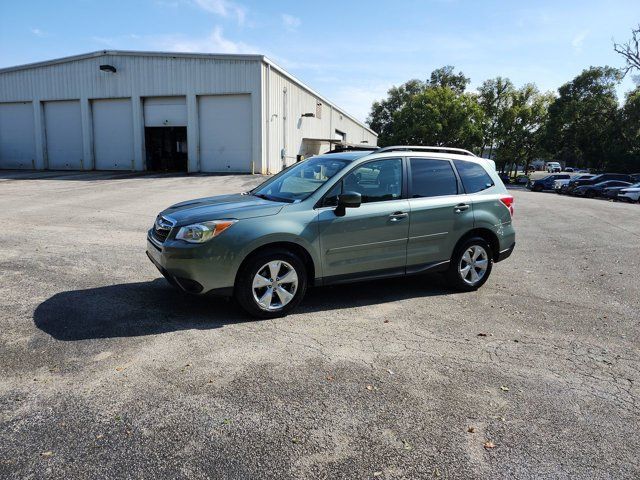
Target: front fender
[[300, 228]]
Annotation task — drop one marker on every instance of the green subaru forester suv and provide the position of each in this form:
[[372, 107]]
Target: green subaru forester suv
[[336, 218]]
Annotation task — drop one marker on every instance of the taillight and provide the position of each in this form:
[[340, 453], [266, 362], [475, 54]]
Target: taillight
[[507, 201]]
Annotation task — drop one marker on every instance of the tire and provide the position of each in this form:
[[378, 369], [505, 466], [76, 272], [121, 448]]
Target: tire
[[459, 261], [249, 289]]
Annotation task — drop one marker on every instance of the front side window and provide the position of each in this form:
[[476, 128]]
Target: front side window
[[474, 177], [432, 178], [301, 180], [375, 181]]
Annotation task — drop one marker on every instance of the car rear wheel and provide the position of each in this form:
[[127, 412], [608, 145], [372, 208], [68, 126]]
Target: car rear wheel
[[470, 265], [271, 284]]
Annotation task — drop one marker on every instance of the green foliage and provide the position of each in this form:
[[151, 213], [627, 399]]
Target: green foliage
[[444, 77], [439, 116], [584, 120], [583, 125]]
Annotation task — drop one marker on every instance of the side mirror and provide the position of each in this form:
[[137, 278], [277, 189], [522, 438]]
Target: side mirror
[[347, 200]]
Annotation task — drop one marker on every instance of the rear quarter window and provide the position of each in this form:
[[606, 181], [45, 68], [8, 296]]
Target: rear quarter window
[[474, 177]]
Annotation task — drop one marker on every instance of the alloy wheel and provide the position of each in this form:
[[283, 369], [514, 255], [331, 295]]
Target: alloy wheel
[[274, 285], [473, 264]]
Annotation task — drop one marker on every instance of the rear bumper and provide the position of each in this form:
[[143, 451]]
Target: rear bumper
[[506, 253]]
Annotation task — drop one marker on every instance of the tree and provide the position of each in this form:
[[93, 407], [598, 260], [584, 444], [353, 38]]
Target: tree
[[494, 96], [630, 51], [521, 126], [629, 157], [381, 118], [444, 77], [584, 120], [439, 116], [382, 112]]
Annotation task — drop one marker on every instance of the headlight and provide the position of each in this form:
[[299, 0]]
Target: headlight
[[203, 232]]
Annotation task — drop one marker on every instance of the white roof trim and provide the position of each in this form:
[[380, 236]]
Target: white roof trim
[[221, 56]]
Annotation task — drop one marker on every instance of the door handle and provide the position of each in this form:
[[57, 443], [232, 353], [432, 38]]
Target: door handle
[[398, 216], [461, 208]]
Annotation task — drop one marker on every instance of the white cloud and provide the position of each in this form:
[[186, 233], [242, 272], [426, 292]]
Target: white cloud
[[290, 22], [37, 32], [578, 40], [224, 8], [215, 42], [357, 100]]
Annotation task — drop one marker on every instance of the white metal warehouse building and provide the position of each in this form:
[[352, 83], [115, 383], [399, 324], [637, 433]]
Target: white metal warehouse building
[[116, 110]]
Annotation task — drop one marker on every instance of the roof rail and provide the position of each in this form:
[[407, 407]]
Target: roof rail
[[418, 148]]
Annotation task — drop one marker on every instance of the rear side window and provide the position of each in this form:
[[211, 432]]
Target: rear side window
[[474, 177], [432, 178]]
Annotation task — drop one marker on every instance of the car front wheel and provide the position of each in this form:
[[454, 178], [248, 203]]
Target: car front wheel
[[271, 284], [470, 265]]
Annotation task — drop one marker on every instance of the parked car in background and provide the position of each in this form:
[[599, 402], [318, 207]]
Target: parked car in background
[[546, 183], [569, 169], [553, 167], [630, 194], [505, 178], [612, 192], [603, 177], [597, 189], [560, 186]]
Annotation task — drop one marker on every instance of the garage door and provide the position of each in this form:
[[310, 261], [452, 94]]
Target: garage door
[[63, 129], [225, 133], [17, 141], [165, 112], [113, 134]]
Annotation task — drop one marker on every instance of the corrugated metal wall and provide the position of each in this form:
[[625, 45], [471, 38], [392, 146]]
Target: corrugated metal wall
[[284, 103], [136, 77], [277, 102]]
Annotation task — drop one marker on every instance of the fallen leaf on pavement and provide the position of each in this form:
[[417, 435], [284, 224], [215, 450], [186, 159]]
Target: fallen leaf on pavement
[[406, 445], [482, 334], [504, 388], [471, 430], [369, 387], [489, 444], [119, 369], [377, 474], [47, 454]]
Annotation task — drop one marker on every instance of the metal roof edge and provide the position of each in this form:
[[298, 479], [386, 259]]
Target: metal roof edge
[[138, 53], [306, 87]]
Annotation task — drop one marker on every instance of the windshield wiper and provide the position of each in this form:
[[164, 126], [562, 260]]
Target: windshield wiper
[[262, 195], [271, 198]]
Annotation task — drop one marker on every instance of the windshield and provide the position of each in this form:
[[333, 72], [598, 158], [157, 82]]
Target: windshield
[[301, 180]]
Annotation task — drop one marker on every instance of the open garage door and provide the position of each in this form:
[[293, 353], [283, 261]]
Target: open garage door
[[225, 133], [63, 129], [113, 134], [17, 141]]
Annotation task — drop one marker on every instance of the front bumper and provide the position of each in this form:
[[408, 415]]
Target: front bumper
[[196, 269]]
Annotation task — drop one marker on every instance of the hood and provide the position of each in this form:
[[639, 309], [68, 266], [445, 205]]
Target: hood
[[237, 206]]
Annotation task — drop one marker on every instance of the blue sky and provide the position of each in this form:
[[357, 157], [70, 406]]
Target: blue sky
[[349, 51]]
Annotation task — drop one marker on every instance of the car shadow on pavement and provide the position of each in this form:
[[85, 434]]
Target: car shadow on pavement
[[151, 308]]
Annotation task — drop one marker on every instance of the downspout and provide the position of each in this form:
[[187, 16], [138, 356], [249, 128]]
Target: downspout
[[268, 151], [284, 128]]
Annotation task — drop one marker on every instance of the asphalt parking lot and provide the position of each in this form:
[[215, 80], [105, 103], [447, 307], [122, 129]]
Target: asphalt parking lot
[[106, 372]]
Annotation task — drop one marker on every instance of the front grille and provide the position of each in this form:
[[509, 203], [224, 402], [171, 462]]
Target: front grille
[[161, 228]]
